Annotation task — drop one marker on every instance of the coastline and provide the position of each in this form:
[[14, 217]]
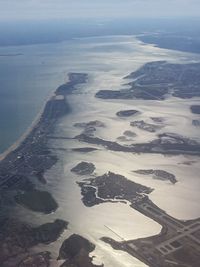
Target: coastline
[[65, 155], [33, 124], [30, 155], [18, 142], [21, 168]]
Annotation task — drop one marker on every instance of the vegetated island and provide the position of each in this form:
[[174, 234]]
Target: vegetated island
[[149, 127], [127, 113], [84, 168], [195, 109], [196, 123], [90, 127], [40, 201], [159, 175], [158, 119], [156, 80], [84, 149], [177, 243], [166, 143], [75, 251], [127, 136]]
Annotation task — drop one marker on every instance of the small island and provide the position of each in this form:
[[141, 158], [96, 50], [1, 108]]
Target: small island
[[130, 134], [127, 113], [75, 251], [196, 123], [89, 128], [84, 168], [84, 149], [35, 200], [127, 136], [123, 138], [95, 123], [158, 119], [152, 128], [159, 175], [195, 109]]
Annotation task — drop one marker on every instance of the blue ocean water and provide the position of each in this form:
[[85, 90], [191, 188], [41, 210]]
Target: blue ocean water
[[28, 75]]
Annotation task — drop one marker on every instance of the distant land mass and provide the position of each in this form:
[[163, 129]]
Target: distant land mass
[[173, 41], [157, 80]]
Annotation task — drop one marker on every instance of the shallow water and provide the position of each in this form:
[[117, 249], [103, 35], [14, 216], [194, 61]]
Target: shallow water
[[31, 73], [106, 68]]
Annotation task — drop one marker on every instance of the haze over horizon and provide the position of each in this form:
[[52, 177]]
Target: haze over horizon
[[108, 9]]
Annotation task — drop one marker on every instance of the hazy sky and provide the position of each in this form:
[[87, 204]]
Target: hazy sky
[[47, 9]]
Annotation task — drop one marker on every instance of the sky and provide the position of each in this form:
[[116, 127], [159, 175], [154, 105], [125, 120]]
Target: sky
[[66, 9]]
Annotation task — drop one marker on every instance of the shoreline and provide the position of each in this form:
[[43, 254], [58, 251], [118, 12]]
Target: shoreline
[[34, 123], [22, 166], [30, 154]]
